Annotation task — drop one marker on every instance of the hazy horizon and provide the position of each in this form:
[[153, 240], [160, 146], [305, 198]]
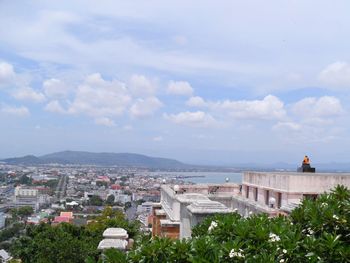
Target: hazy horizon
[[209, 83]]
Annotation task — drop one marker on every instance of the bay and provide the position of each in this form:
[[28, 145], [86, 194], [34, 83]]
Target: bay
[[205, 177]]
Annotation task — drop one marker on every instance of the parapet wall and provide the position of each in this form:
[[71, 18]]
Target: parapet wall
[[296, 182]]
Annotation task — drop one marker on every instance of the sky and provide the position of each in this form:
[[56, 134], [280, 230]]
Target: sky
[[204, 82]]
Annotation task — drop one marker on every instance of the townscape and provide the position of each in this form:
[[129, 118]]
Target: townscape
[[174, 131], [45, 192]]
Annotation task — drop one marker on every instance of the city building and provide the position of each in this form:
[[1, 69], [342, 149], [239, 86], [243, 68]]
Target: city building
[[26, 196]]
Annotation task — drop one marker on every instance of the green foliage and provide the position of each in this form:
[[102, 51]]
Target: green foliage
[[52, 184], [11, 232], [21, 212], [110, 200], [96, 200], [24, 179], [317, 231], [68, 243]]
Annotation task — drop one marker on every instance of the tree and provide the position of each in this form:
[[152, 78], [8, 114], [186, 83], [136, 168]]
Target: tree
[[25, 211], [69, 243], [110, 200], [25, 180], [96, 200]]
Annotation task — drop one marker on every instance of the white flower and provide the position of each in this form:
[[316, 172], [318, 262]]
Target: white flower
[[284, 251], [212, 226], [250, 213], [335, 217], [273, 237], [235, 210], [239, 254], [282, 260]]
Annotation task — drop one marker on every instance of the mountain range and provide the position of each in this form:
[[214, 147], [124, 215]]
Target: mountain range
[[139, 160], [101, 159]]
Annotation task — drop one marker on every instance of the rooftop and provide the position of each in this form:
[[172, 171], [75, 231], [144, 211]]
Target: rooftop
[[207, 207], [297, 173], [115, 233], [113, 243]]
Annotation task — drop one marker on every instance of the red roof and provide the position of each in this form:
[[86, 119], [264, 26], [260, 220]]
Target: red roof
[[61, 219], [116, 187]]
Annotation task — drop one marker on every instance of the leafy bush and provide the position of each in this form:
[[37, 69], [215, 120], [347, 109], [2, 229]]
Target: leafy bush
[[316, 231]]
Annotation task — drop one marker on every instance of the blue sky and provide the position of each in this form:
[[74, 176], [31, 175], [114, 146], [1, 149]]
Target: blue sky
[[215, 82]]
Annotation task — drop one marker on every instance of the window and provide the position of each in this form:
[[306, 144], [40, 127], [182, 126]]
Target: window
[[256, 194], [247, 192], [279, 200], [267, 197], [310, 196]]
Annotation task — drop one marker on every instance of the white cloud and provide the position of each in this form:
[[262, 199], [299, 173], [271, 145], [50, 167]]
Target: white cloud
[[104, 121], [268, 108], [100, 98], [55, 106], [55, 88], [7, 73], [195, 119], [127, 128], [28, 94], [318, 108], [17, 111], [180, 88], [145, 107], [158, 139], [287, 126], [196, 102], [180, 40], [336, 75], [139, 85]]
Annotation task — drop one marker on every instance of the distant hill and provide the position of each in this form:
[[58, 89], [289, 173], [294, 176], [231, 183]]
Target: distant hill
[[103, 159]]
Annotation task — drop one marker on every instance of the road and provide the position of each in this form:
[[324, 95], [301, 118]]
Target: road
[[61, 187], [131, 211]]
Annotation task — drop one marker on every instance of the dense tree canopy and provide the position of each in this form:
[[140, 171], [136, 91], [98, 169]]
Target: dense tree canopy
[[68, 243]]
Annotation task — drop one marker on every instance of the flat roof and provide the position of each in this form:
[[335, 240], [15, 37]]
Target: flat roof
[[297, 173], [113, 243], [115, 232]]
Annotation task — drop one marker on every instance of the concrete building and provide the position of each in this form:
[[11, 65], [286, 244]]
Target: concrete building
[[26, 196], [273, 193], [280, 192], [5, 256], [182, 207]]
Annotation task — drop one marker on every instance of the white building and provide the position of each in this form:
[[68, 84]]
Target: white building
[[26, 196], [275, 192], [182, 207]]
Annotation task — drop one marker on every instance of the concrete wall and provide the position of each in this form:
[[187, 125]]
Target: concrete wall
[[295, 182], [169, 203]]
